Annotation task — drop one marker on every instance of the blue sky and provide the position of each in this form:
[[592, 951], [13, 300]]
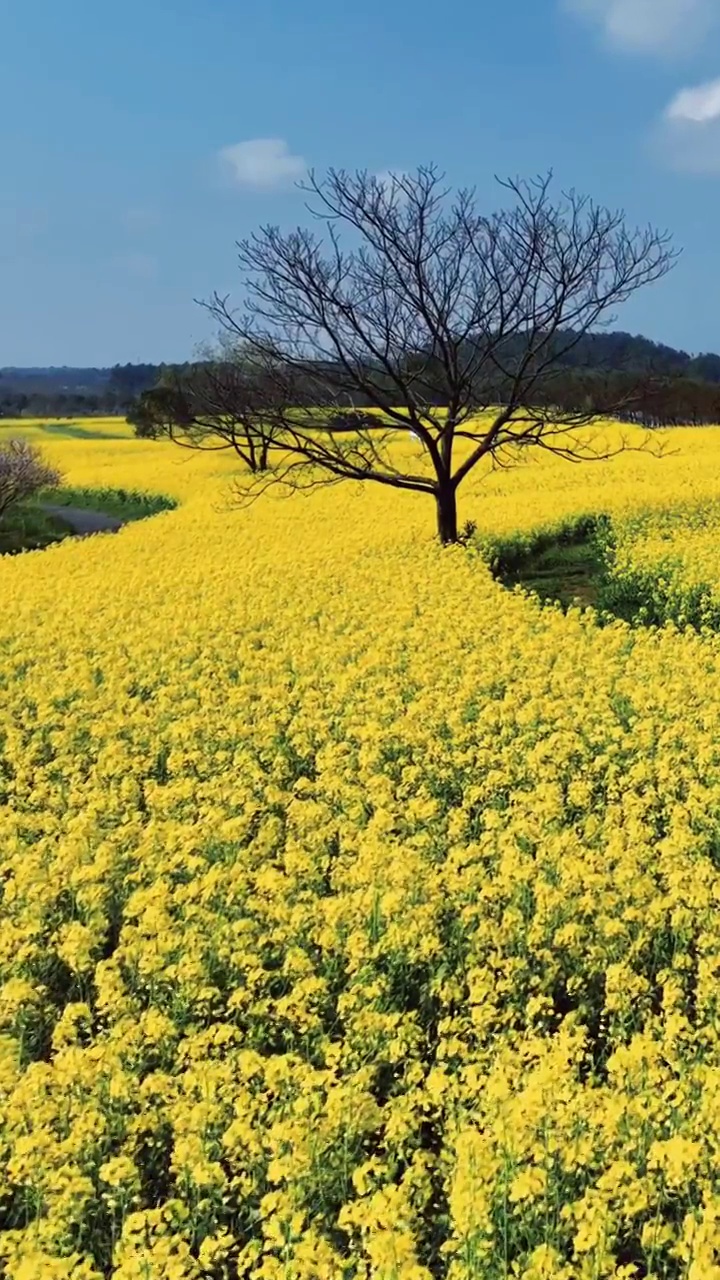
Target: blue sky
[[139, 141]]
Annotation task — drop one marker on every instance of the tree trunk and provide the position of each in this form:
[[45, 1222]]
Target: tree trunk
[[446, 499]]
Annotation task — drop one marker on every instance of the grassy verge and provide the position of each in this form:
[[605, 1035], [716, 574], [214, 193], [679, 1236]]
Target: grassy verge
[[28, 528], [128, 504], [566, 564], [25, 528]]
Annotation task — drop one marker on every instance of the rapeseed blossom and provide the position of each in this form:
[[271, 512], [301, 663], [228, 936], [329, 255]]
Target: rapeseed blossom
[[359, 917]]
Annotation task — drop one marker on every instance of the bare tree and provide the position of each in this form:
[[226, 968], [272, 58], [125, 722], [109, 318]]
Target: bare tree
[[448, 323], [216, 402]]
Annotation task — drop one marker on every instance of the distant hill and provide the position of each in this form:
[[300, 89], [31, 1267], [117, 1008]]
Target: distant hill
[[611, 351], [625, 352], [68, 378], [132, 377], [73, 392]]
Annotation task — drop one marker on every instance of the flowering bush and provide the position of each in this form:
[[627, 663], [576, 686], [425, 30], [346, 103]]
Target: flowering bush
[[23, 471], [359, 917]]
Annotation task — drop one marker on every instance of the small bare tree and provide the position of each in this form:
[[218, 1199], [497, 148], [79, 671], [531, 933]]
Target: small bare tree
[[448, 323], [217, 402], [23, 472]]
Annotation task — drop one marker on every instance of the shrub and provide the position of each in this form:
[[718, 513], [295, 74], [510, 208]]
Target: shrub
[[23, 471], [354, 420]]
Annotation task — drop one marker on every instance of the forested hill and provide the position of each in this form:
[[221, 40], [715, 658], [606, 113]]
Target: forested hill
[[72, 392], [624, 352]]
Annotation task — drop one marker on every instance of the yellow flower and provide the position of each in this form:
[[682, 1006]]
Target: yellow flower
[[356, 911]]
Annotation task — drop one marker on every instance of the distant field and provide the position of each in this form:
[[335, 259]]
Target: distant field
[[80, 429]]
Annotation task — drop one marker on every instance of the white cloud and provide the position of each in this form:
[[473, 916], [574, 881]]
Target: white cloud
[[262, 163], [688, 137], [699, 105], [650, 26]]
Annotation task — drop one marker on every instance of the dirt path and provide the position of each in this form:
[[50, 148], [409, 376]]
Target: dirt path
[[83, 522]]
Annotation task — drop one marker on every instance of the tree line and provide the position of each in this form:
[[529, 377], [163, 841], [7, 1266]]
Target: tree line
[[74, 393], [656, 400], [647, 381], [680, 389], [648, 397]]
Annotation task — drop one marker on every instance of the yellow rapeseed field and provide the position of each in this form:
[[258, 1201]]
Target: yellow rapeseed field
[[360, 918]]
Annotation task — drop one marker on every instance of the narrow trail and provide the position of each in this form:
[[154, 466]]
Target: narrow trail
[[83, 522]]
